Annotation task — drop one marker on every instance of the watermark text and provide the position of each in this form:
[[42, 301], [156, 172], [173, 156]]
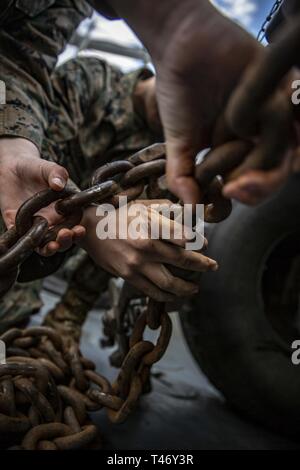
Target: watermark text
[[2, 92], [152, 222]]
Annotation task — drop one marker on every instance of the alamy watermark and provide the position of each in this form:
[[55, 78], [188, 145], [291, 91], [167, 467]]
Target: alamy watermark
[[152, 221], [2, 92], [2, 352], [296, 353], [296, 94]]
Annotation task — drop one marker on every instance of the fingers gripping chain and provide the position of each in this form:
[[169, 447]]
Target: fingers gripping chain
[[121, 178]]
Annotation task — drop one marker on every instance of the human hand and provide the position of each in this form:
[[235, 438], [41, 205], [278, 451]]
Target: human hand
[[22, 174], [192, 102], [196, 74], [200, 58], [143, 261]]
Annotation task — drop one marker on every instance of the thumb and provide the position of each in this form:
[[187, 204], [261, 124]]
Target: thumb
[[9, 217], [54, 175], [181, 173]]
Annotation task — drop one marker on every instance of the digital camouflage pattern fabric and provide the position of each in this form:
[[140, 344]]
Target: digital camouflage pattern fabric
[[87, 282], [32, 35], [93, 120]]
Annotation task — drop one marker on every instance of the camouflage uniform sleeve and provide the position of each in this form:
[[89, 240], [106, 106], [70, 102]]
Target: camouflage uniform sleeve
[[90, 90], [32, 34], [95, 110]]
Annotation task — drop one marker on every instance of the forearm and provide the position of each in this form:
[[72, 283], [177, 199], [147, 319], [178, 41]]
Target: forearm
[[156, 22]]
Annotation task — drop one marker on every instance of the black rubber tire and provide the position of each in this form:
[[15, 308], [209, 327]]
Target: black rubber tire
[[227, 328]]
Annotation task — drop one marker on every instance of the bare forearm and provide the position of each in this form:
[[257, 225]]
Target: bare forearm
[[155, 21]]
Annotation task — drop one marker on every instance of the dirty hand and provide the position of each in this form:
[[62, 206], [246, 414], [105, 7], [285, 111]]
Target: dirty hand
[[200, 65], [200, 57], [193, 90], [142, 261], [22, 174], [252, 186], [258, 178], [196, 76]]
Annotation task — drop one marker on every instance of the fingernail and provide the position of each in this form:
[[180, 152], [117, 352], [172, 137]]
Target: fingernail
[[214, 266], [59, 182]]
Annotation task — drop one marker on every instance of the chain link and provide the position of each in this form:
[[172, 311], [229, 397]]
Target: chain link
[[262, 32]]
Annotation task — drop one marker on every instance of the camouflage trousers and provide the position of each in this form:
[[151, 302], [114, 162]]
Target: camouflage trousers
[[85, 282]]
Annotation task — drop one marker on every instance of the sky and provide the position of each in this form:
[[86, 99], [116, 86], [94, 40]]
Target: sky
[[249, 13]]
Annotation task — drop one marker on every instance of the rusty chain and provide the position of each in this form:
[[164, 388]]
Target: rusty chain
[[120, 178], [76, 388], [62, 387], [39, 409], [262, 32], [250, 110], [47, 387]]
